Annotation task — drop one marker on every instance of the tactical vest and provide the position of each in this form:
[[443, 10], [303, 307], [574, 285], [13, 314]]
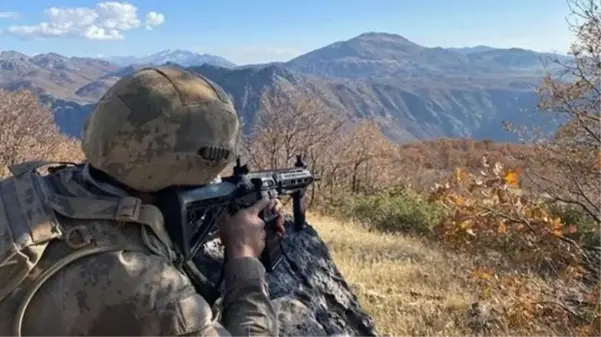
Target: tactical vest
[[43, 230]]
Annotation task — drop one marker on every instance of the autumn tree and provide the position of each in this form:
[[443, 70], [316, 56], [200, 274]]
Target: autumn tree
[[28, 131], [291, 123], [347, 155], [567, 165], [288, 123], [368, 155]]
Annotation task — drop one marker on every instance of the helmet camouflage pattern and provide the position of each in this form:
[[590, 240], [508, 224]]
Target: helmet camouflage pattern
[[162, 126]]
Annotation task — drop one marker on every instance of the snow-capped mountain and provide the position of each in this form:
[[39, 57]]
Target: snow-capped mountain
[[182, 57]]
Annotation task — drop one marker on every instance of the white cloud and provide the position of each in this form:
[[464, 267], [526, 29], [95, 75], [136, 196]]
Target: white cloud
[[105, 21], [153, 19], [9, 15]]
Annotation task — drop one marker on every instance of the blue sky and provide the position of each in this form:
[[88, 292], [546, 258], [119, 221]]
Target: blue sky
[[256, 31]]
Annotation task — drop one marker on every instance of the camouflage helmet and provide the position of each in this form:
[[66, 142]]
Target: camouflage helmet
[[162, 126]]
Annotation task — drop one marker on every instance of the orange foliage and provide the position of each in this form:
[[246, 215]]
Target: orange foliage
[[447, 154], [28, 132], [518, 241]]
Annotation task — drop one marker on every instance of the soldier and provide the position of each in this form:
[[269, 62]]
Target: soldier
[[83, 251]]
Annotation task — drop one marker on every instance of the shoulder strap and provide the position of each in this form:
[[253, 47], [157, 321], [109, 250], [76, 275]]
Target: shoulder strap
[[126, 209], [27, 226], [28, 166]]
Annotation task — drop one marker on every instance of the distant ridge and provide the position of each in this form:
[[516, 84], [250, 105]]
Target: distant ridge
[[413, 92], [179, 56]]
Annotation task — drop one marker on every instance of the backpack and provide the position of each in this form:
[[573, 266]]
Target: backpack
[[27, 224]]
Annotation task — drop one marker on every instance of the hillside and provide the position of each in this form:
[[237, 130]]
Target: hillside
[[413, 92], [389, 271], [403, 111], [51, 73]]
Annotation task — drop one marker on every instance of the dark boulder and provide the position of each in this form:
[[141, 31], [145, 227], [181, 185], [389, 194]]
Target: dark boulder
[[312, 296]]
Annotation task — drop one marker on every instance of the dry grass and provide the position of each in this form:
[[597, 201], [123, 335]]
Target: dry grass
[[409, 287]]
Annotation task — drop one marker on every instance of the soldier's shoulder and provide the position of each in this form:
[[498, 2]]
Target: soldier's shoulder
[[145, 292], [138, 271], [141, 283]]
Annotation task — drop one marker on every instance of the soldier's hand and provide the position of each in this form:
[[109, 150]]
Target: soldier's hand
[[243, 233], [277, 209]]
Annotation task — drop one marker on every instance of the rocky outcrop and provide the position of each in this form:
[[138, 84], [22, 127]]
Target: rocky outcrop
[[312, 296]]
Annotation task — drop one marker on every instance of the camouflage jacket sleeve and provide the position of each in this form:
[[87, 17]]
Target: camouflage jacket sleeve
[[135, 294], [247, 308]]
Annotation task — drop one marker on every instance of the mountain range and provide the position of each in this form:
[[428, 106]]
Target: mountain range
[[413, 92], [182, 57]]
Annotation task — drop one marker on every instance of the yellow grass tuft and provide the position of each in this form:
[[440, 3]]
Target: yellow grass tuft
[[408, 286]]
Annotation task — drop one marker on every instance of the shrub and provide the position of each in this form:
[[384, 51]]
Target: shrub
[[570, 215], [392, 211]]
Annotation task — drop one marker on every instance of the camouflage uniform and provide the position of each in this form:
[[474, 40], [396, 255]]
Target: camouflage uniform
[[82, 257]]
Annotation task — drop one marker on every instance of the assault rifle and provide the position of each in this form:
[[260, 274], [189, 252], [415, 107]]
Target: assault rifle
[[191, 213]]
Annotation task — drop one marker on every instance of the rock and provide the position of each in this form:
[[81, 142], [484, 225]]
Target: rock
[[312, 296]]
